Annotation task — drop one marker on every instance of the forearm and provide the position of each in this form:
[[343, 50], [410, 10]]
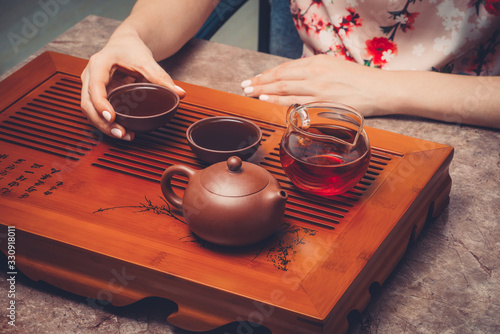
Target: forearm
[[166, 25], [446, 97]]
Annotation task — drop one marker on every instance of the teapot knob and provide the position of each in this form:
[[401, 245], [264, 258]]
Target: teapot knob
[[234, 164]]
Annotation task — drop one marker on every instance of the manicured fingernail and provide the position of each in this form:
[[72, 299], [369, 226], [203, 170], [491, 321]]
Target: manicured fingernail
[[264, 97], [258, 75], [116, 132], [179, 88], [246, 83], [106, 115], [248, 90], [127, 137]]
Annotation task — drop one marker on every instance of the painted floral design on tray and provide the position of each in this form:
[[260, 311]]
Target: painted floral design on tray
[[148, 206], [280, 249]]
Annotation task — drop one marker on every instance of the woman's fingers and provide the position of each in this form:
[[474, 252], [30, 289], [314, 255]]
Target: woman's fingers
[[154, 73], [292, 78], [106, 71], [102, 121], [97, 91], [95, 104], [281, 88], [286, 100], [319, 78]]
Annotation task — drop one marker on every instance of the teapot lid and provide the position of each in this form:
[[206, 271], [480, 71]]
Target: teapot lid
[[234, 178]]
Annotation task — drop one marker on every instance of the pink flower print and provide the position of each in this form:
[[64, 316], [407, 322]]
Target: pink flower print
[[353, 17], [345, 53], [347, 23], [319, 26], [409, 20], [404, 20], [316, 24], [387, 56], [401, 19], [300, 22], [306, 21], [492, 7], [381, 50], [297, 16]]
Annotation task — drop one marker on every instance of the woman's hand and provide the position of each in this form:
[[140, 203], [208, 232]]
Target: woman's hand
[[124, 59], [460, 99], [320, 78]]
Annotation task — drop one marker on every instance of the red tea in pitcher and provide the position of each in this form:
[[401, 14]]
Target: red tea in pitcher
[[321, 166], [325, 149]]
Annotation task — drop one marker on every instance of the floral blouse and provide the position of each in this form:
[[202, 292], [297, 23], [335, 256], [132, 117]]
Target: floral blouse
[[452, 36]]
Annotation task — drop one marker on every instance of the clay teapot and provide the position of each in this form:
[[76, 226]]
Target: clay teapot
[[230, 203]]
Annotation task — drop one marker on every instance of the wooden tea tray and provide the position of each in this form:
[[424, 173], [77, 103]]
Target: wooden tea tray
[[90, 217]]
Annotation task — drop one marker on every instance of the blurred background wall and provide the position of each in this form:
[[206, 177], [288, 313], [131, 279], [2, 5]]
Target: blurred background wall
[[27, 25]]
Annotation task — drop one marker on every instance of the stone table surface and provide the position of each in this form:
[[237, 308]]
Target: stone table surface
[[448, 282]]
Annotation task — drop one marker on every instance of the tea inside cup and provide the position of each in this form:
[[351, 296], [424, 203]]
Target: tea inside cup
[[215, 139], [143, 106]]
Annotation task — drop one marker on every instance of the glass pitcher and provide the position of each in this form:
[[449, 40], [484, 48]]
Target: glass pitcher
[[325, 150]]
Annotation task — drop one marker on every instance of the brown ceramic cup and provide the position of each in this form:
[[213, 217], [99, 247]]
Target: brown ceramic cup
[[218, 138], [142, 107]]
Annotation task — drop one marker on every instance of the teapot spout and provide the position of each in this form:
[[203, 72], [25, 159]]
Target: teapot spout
[[283, 195], [278, 198], [277, 202]]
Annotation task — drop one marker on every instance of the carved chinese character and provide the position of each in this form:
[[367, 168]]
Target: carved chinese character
[[13, 184], [53, 171], [31, 189]]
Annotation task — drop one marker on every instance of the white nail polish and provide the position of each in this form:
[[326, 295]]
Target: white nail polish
[[106, 115], [246, 83], [264, 97], [248, 90], [179, 88], [127, 137], [116, 132]]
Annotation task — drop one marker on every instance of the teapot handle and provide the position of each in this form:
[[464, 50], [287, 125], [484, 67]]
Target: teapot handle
[[166, 183]]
